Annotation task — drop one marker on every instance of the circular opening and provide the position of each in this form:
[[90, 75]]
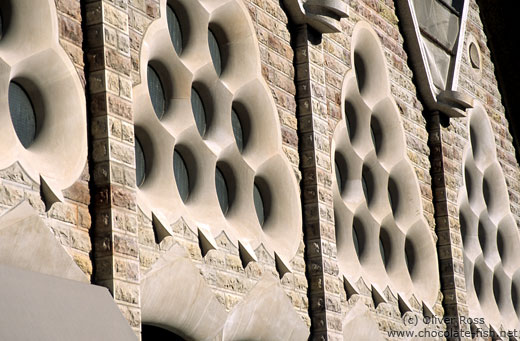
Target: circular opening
[[22, 114], [214, 50], [469, 183], [474, 141], [382, 250], [501, 245], [156, 90], [350, 119], [367, 182], [238, 132], [474, 56], [409, 256], [339, 178], [477, 282], [482, 237], [372, 135], [365, 187], [487, 190], [393, 195], [355, 239], [497, 291], [361, 71], [140, 163], [259, 205], [199, 112], [174, 28], [180, 170], [359, 238], [222, 190]]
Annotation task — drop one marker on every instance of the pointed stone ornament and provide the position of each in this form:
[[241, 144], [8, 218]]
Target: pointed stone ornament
[[434, 31], [161, 227], [363, 287], [247, 254], [282, 266], [427, 311], [50, 193], [378, 297], [322, 15], [206, 240], [404, 305], [495, 333], [350, 288]]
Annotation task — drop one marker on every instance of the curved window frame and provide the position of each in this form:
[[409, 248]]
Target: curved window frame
[[215, 52], [259, 203], [222, 189], [182, 175], [140, 158], [156, 92], [175, 29], [22, 113], [199, 111]]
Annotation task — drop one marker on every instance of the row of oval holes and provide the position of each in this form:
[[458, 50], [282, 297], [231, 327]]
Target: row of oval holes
[[158, 99]]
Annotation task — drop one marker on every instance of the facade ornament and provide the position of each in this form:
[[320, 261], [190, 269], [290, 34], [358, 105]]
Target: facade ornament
[[434, 31], [322, 15]]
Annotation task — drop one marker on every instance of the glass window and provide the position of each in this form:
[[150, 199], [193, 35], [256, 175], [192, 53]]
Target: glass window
[[237, 130], [222, 190], [215, 52], [175, 29], [199, 112], [22, 114], [156, 91], [259, 205], [140, 163], [180, 170]]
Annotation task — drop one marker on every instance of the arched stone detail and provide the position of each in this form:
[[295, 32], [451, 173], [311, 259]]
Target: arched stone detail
[[377, 192], [489, 231], [240, 85], [39, 64]]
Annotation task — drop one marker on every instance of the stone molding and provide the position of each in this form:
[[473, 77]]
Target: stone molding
[[53, 163], [489, 231], [240, 85], [369, 146]]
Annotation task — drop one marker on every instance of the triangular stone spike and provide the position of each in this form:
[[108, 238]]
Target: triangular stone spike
[[350, 288], [160, 227], [427, 311], [414, 303], [363, 287], [404, 306], [206, 240], [377, 297], [389, 295], [495, 333], [247, 254], [281, 266], [50, 193]]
